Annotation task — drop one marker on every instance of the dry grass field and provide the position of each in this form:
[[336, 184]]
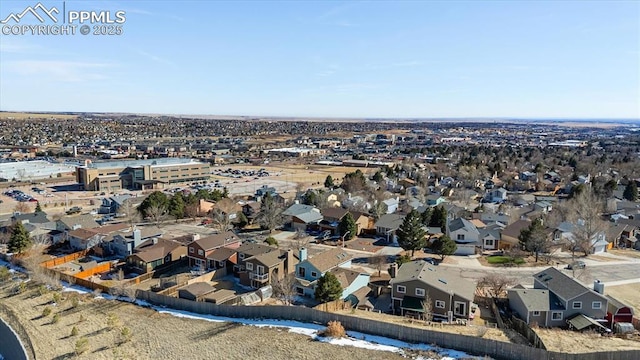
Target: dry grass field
[[576, 342], [23, 116], [628, 294], [157, 336]]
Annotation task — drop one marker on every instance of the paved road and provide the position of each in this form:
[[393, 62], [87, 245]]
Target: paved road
[[10, 346]]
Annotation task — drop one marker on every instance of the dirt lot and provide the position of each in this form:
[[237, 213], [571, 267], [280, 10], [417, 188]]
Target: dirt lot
[[159, 336], [627, 252], [628, 294], [575, 342], [23, 116]]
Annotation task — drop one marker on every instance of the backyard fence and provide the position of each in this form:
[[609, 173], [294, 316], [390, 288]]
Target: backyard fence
[[473, 345], [525, 330], [64, 259]]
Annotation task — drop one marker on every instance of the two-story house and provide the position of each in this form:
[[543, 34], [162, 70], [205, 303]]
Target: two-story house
[[83, 239], [262, 269], [200, 250], [465, 234], [497, 195], [332, 217], [310, 269], [160, 252], [299, 216], [387, 225], [123, 244], [489, 236], [449, 294], [555, 299]]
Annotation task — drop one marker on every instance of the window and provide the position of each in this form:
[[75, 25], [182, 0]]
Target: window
[[314, 274], [241, 256], [556, 315], [488, 242], [200, 252], [301, 272], [460, 236], [536, 313], [596, 305], [249, 266], [260, 269], [419, 292], [459, 308], [577, 305], [440, 304], [191, 250], [401, 289]]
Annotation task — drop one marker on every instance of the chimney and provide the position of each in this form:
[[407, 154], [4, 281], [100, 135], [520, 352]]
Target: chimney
[[195, 237], [296, 201], [289, 264], [137, 236], [393, 270], [302, 254], [155, 240], [598, 287]]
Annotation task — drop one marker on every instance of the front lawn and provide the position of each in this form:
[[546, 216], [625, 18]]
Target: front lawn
[[495, 260]]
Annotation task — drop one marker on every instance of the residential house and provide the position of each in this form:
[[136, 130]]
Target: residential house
[[247, 250], [310, 269], [387, 225], [299, 216], [489, 236], [564, 234], [123, 244], [392, 204], [72, 222], [112, 204], [543, 206], [491, 218], [529, 176], [199, 250], [84, 239], [264, 268], [509, 235], [465, 234], [332, 217], [557, 298], [251, 210], [160, 252], [352, 281], [435, 200], [356, 201], [497, 195], [450, 294]]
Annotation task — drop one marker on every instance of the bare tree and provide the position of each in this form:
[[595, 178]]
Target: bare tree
[[222, 214], [496, 285], [22, 208], [427, 308], [122, 287], [379, 262], [191, 211], [157, 214], [33, 259], [300, 240], [130, 212], [21, 174], [270, 215], [588, 227], [284, 289]]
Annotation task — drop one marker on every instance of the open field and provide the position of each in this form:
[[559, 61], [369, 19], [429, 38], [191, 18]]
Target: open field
[[23, 116], [628, 253], [159, 336], [628, 294], [576, 342]]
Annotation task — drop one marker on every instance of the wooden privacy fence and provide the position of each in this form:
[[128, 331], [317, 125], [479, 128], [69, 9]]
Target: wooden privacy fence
[[104, 267], [525, 330], [473, 345], [64, 259]]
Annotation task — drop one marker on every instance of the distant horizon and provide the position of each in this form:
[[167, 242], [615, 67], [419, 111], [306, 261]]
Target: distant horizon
[[332, 59], [439, 118]]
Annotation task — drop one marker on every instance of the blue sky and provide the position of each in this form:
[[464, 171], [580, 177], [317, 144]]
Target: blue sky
[[537, 59]]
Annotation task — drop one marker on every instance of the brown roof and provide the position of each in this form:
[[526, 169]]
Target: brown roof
[[184, 239], [220, 296], [269, 259], [478, 223], [217, 240], [329, 259], [157, 251], [334, 212], [110, 228], [513, 230], [83, 234], [250, 249], [198, 289], [345, 276], [221, 254]]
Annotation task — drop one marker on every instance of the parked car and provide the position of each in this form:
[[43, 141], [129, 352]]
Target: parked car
[[577, 265]]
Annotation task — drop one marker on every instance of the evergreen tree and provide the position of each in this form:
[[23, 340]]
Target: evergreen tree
[[19, 240], [241, 220], [156, 199], [426, 216], [444, 246], [411, 235], [38, 208], [328, 182], [534, 238], [377, 177], [347, 226], [177, 205], [631, 191], [328, 288], [439, 218]]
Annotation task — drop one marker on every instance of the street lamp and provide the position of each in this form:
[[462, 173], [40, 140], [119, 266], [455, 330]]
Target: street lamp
[[344, 236]]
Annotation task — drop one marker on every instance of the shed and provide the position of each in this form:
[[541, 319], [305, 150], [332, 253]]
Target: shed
[[582, 322], [618, 312]]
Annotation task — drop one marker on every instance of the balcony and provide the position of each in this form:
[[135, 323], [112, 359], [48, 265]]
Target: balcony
[[259, 277]]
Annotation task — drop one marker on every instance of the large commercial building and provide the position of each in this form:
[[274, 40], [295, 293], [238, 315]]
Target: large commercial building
[[140, 174]]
